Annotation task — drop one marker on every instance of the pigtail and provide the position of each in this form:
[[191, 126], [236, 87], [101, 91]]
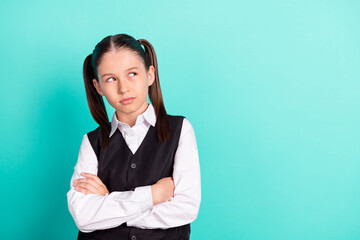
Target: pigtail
[[95, 101], [162, 120]]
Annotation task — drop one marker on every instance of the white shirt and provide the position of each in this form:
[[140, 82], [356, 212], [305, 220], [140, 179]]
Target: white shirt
[[93, 212]]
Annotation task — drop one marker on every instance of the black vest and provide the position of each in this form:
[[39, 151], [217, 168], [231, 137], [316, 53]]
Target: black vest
[[121, 170]]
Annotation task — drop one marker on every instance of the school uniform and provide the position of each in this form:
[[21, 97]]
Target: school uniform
[[134, 161]]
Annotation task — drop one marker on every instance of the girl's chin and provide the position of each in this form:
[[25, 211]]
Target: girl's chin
[[126, 108]]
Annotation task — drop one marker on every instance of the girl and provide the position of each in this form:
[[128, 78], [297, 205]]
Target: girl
[[138, 176]]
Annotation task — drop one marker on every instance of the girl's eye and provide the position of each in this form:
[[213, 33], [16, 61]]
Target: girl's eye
[[114, 78]]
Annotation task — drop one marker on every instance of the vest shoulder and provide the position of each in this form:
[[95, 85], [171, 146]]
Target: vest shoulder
[[95, 138], [176, 121], [95, 134], [176, 117]]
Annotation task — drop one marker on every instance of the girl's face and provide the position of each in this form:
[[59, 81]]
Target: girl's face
[[122, 75]]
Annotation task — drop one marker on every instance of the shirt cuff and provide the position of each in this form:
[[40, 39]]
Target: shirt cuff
[[144, 195]]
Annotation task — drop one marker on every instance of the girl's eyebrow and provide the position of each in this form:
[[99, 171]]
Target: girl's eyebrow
[[112, 74]]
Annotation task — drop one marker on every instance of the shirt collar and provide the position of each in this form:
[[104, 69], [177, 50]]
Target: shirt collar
[[149, 116]]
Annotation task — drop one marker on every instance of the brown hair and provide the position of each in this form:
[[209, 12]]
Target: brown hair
[[95, 100]]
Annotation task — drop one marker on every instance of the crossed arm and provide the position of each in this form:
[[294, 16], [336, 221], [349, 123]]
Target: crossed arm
[[92, 211]]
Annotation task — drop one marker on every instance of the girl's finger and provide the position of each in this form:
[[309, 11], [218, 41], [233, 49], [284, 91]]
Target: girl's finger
[[92, 176], [88, 184], [83, 190], [89, 180]]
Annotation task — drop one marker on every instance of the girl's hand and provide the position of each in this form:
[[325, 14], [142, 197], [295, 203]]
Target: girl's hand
[[163, 190], [90, 184]]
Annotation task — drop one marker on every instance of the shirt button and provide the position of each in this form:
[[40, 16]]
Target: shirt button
[[133, 165], [133, 237]]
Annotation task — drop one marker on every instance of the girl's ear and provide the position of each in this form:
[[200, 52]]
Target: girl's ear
[[97, 86], [151, 75]]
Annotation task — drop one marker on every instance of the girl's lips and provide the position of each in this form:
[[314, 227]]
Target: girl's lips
[[127, 100]]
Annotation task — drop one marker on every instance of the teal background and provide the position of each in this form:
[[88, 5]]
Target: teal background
[[270, 87]]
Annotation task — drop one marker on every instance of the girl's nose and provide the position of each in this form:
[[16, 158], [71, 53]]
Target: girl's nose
[[123, 90], [123, 87]]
